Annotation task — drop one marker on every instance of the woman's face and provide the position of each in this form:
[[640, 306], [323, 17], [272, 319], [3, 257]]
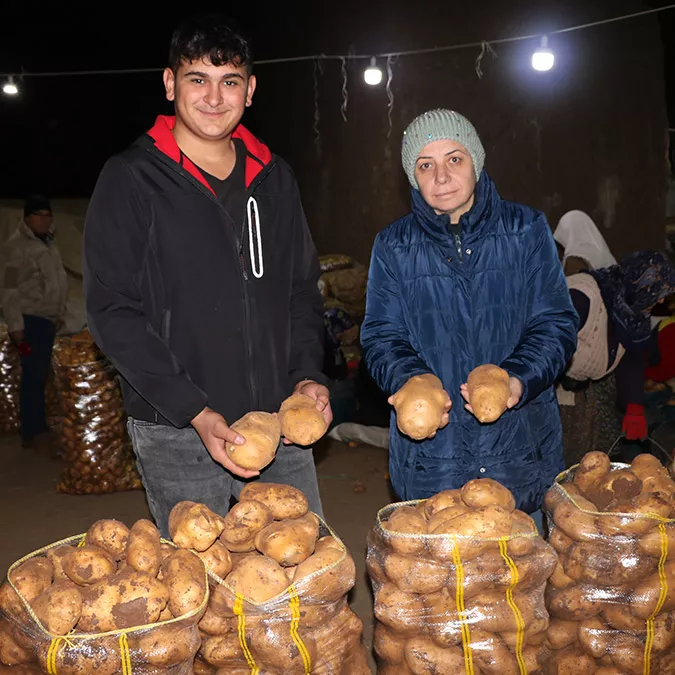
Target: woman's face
[[445, 175]]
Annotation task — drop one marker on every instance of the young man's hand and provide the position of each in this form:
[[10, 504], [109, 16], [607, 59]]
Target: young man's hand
[[215, 432], [320, 394]]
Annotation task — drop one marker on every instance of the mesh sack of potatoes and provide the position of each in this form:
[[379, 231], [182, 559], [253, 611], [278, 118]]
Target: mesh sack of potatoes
[[348, 285], [335, 261], [279, 582], [115, 601], [459, 585], [53, 412], [612, 595], [97, 452], [10, 383]]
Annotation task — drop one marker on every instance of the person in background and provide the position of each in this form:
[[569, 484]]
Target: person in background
[[201, 281], [581, 245], [466, 279], [34, 306], [614, 306]]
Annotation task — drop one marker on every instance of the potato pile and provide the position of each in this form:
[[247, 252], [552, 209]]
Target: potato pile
[[610, 528], [97, 451], [270, 563], [10, 383], [461, 568], [114, 580]]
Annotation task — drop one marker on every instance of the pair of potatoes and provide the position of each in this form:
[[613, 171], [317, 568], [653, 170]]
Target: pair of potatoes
[[420, 403], [298, 420], [606, 583]]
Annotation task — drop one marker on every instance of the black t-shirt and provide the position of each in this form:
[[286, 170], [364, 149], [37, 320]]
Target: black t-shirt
[[231, 191]]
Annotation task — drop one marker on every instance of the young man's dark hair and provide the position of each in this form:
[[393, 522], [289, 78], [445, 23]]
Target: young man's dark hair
[[209, 36]]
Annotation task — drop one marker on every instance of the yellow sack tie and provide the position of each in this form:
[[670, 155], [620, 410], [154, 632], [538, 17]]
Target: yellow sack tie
[[125, 655], [294, 604], [663, 582], [241, 630], [461, 610], [520, 622], [52, 653], [83, 541]]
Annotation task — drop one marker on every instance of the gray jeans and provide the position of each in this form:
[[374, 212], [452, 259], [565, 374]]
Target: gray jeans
[[175, 466]]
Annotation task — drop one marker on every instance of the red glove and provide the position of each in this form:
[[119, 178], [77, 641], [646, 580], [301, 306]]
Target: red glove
[[634, 422], [24, 349]]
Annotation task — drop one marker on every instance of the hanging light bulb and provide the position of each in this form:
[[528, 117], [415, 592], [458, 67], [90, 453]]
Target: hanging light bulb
[[544, 58], [10, 87], [372, 75]]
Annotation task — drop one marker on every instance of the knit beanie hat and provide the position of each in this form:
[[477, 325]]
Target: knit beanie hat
[[436, 125], [35, 204]]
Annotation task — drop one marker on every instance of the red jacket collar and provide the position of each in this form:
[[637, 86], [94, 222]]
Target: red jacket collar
[[258, 154]]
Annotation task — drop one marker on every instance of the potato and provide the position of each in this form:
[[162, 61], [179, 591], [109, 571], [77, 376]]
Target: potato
[[559, 578], [413, 574], [424, 657], [420, 406], [620, 484], [311, 525], [144, 551], [214, 624], [167, 646], [607, 563], [217, 559], [523, 532], [534, 634], [409, 521], [444, 515], [387, 645], [472, 529], [193, 525], [32, 577], [619, 617], [645, 506], [627, 654], [481, 492], [284, 501], [301, 422], [11, 654], [110, 535], [490, 610], [491, 654], [223, 650], [404, 613], [200, 667], [646, 595], [561, 633], [185, 580], [650, 543], [479, 574], [489, 392], [559, 540], [101, 657], [242, 524], [441, 501], [89, 565], [259, 580], [286, 541], [595, 637], [572, 661], [11, 604], [272, 644], [576, 603], [664, 632], [56, 557], [574, 522], [533, 570], [592, 469], [337, 579], [262, 433], [646, 465], [441, 620], [59, 607], [608, 670], [338, 639]]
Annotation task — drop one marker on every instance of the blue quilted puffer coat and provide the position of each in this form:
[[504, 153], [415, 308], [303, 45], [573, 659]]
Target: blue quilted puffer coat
[[444, 299]]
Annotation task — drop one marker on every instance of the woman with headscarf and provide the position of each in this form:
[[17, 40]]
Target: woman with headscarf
[[583, 247], [614, 305]]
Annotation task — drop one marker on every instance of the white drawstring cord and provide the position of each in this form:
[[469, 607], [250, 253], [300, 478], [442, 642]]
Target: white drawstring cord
[[252, 210]]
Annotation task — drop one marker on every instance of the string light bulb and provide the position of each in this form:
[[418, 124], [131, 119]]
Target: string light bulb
[[10, 87], [543, 58], [372, 74]]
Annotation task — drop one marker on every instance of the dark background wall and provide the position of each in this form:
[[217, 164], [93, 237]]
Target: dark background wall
[[591, 134]]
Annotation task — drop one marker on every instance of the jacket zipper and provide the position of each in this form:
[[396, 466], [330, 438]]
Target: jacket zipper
[[456, 236], [240, 250]]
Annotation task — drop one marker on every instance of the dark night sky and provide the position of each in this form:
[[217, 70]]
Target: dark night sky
[[58, 132]]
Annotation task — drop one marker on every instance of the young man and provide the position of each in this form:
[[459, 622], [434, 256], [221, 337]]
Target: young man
[[201, 281], [34, 305]]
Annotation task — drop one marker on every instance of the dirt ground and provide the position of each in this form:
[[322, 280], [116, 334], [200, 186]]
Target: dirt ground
[[353, 486]]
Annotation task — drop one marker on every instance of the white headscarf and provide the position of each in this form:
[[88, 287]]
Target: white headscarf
[[580, 238]]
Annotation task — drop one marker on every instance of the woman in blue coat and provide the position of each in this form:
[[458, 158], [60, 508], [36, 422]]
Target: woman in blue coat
[[463, 280]]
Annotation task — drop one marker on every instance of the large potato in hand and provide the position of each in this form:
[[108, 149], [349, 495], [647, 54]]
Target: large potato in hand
[[284, 501], [301, 422], [242, 524], [110, 535], [489, 392], [420, 406], [59, 607], [262, 433], [193, 525]]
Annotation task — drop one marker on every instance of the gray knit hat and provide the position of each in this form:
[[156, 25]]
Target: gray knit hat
[[436, 125]]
